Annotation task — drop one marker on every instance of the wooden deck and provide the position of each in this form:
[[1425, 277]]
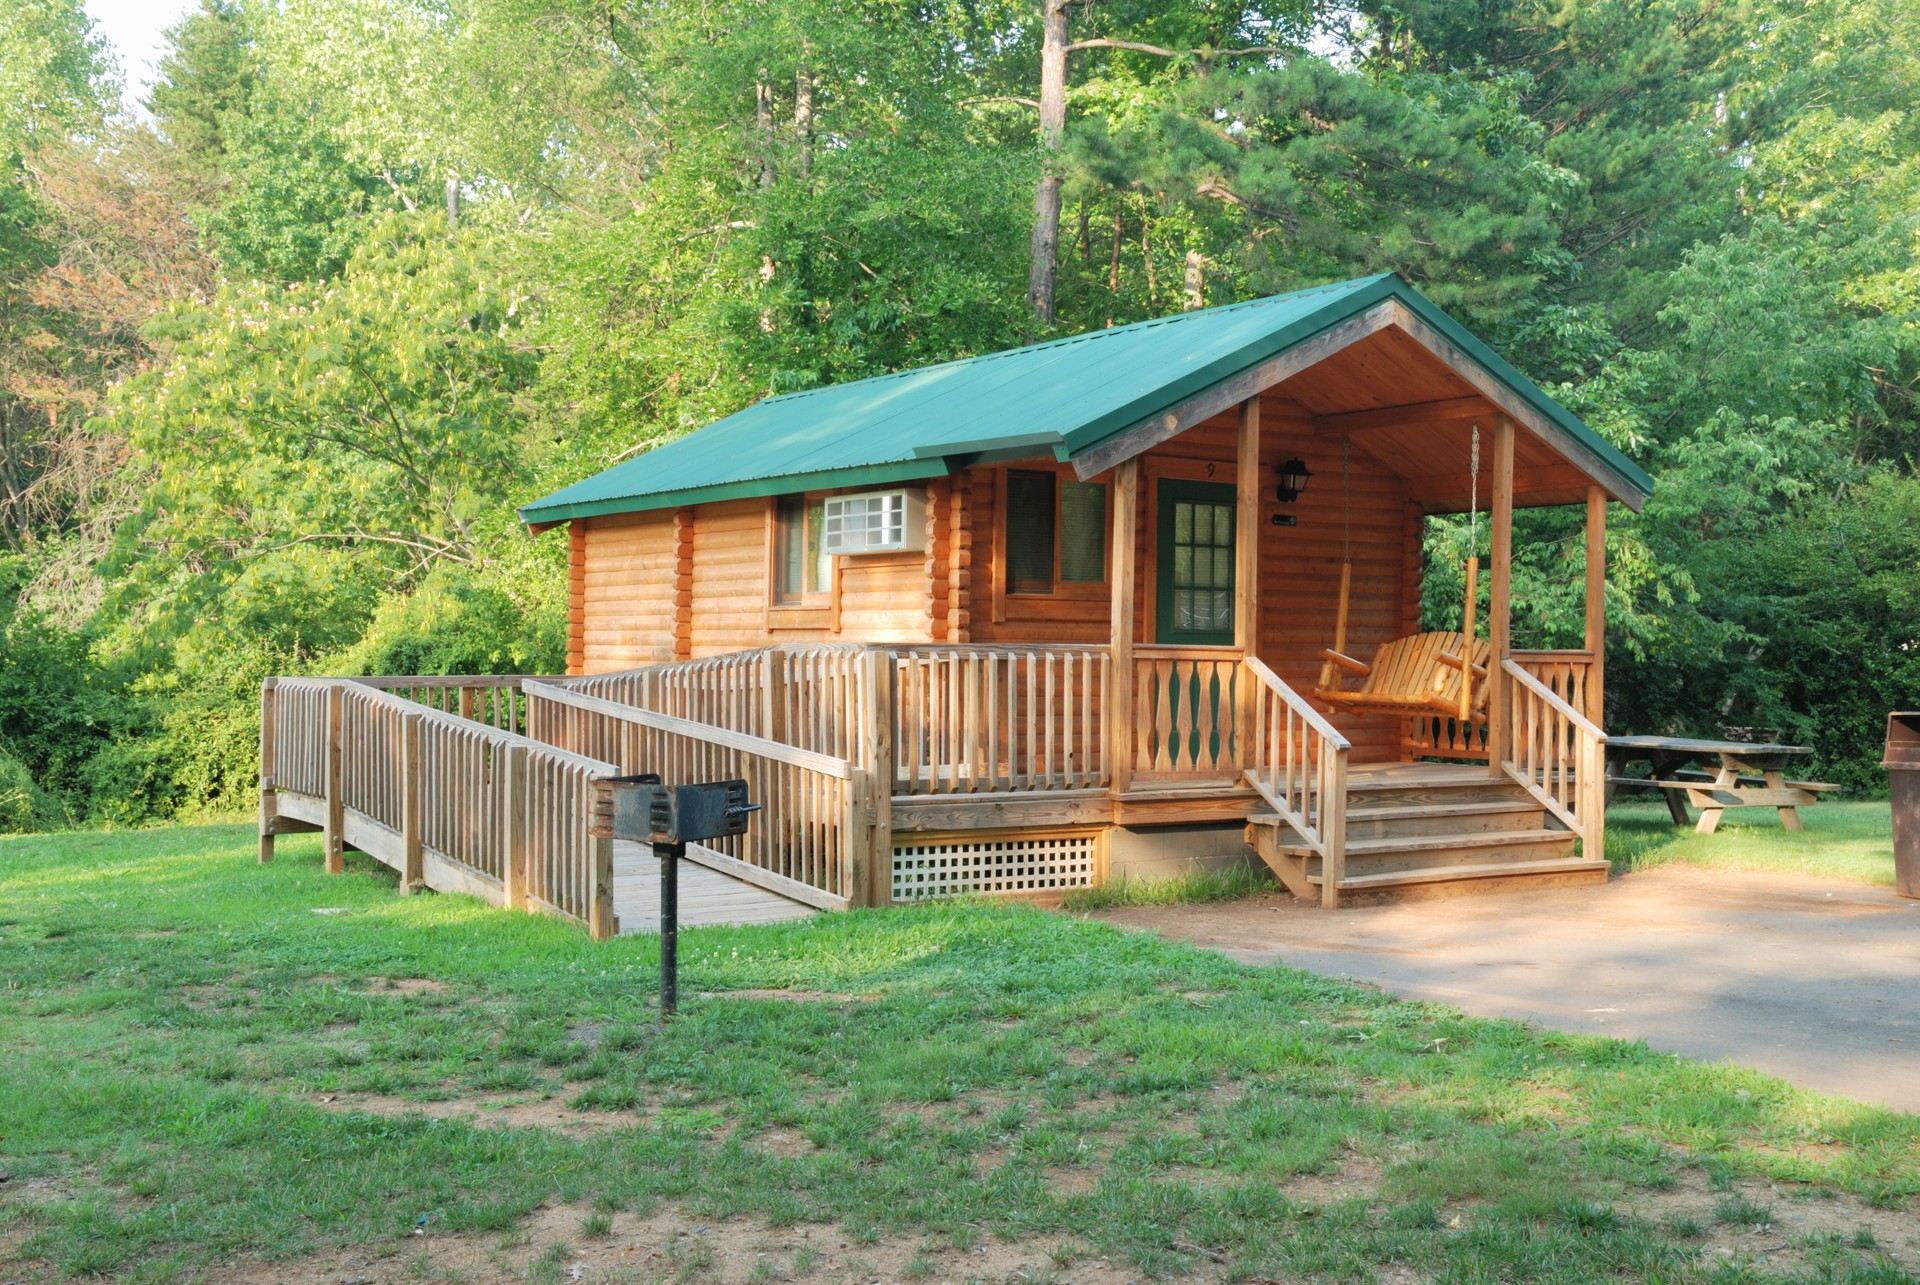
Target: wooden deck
[[707, 897]]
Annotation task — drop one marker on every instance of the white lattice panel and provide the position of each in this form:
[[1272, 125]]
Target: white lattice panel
[[1014, 863]]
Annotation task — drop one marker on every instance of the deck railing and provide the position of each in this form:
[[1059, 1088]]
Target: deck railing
[[980, 719], [1566, 673], [1299, 766], [814, 696], [814, 840], [1557, 755], [1185, 707], [493, 699], [449, 802]]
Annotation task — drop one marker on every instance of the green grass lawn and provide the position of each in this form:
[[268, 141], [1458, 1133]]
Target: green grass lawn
[[181, 1029], [1841, 841]]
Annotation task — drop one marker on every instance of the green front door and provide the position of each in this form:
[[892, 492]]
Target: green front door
[[1194, 599]]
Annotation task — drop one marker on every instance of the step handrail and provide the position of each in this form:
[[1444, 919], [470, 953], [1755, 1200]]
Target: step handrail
[[1557, 755], [1298, 764]]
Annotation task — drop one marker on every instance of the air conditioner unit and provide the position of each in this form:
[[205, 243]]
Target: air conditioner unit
[[875, 522]]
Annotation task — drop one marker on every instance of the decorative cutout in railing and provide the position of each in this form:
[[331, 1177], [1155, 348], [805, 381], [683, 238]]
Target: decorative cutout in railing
[[1185, 706]]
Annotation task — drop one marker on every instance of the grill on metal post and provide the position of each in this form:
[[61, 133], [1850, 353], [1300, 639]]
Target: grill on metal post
[[668, 817]]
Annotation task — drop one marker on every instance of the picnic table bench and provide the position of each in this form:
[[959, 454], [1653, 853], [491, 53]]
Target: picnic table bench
[[1744, 775]]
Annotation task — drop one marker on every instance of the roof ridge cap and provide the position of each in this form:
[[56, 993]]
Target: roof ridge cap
[[1084, 336]]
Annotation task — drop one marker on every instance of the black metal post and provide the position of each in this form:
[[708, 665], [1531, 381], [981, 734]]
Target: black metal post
[[669, 855]]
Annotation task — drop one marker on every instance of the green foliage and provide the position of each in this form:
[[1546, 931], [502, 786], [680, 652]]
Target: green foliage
[[309, 442], [457, 623], [54, 73], [296, 209], [205, 81]]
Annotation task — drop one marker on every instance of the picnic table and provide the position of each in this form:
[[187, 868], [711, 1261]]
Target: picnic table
[[1741, 774]]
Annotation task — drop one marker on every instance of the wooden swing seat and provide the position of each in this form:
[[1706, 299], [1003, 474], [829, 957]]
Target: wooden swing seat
[[1418, 674]]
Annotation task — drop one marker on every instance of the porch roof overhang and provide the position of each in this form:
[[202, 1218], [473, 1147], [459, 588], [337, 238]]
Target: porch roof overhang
[[1098, 398]]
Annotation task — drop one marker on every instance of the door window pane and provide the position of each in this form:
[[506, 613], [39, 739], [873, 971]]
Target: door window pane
[[1199, 571]]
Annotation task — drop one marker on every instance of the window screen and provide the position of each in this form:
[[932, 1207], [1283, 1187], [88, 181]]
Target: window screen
[[1083, 532], [800, 567], [1030, 532], [790, 548]]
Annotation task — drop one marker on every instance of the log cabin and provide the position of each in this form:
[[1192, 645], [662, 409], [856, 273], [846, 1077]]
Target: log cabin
[[1113, 537], [1096, 608]]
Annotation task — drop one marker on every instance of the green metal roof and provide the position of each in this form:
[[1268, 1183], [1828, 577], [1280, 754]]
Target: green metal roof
[[1061, 397]]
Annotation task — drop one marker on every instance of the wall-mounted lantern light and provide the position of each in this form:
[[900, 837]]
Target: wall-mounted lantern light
[[1293, 477]]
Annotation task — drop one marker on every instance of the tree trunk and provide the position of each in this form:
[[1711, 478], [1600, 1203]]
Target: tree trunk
[[763, 120], [803, 114], [1045, 247], [1196, 280], [453, 202]]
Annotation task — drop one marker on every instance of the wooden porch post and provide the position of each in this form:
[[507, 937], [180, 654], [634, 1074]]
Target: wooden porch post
[[333, 841], [1122, 571], [1500, 610], [1246, 566], [514, 783], [269, 805], [413, 876], [1597, 604], [602, 925], [877, 888]]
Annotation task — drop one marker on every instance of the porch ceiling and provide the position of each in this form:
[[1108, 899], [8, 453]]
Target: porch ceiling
[[1401, 404]]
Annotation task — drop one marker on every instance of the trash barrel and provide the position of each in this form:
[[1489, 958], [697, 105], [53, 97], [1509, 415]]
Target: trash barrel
[[1903, 774]]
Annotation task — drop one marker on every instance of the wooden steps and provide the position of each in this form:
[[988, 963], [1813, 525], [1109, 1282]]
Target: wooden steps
[[1431, 830], [1388, 879]]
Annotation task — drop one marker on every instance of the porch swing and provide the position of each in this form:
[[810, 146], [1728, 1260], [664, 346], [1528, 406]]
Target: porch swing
[[1441, 671]]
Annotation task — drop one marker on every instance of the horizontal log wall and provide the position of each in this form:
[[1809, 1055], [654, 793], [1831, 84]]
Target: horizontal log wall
[[627, 603]]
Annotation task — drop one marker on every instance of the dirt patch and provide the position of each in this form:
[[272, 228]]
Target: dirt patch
[[790, 1144], [1778, 1224], [1357, 1178], [511, 1112], [405, 986], [573, 1243], [1077, 1181], [206, 998]]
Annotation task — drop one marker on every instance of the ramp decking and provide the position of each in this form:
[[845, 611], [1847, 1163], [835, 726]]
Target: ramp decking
[[707, 897]]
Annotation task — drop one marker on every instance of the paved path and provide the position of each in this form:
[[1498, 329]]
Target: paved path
[[706, 895], [1814, 980]]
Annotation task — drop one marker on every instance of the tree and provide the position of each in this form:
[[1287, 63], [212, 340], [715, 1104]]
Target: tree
[[357, 432], [54, 73], [205, 80]]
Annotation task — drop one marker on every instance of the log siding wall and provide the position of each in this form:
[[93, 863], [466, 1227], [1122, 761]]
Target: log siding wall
[[629, 598]]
